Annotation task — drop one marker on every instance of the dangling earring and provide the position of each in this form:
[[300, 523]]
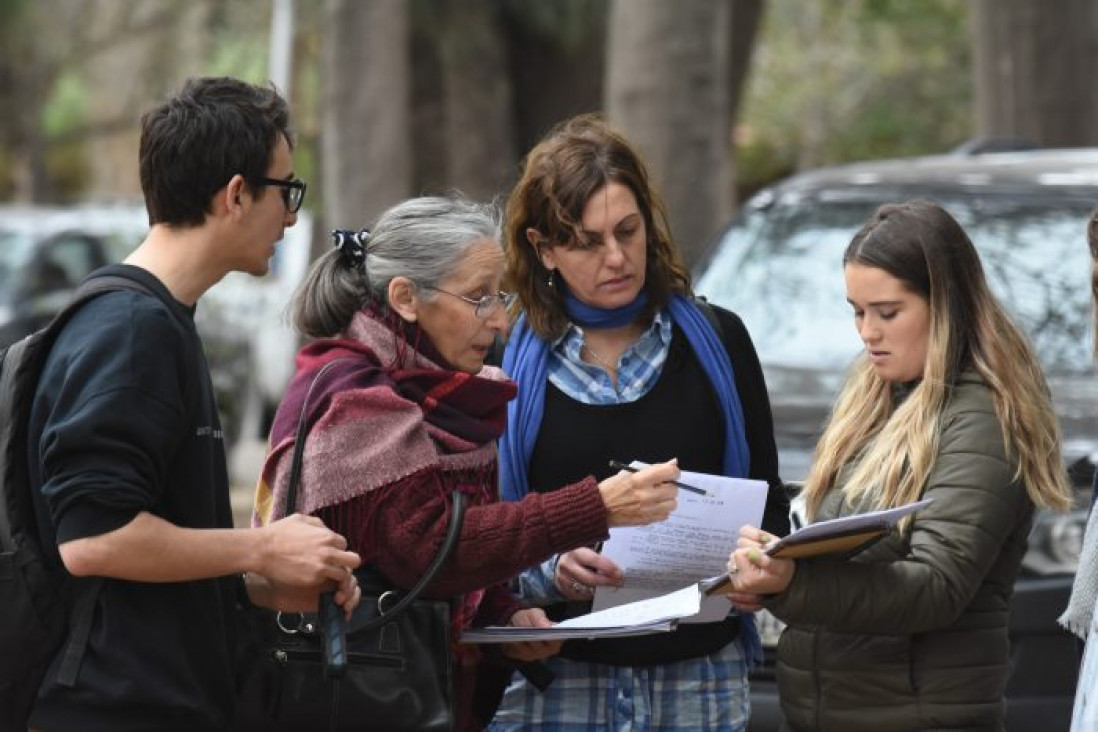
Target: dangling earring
[[549, 281]]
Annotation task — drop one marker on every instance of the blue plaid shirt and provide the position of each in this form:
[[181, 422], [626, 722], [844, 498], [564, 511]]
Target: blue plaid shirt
[[638, 368], [707, 693]]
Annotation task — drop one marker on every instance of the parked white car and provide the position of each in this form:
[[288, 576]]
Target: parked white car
[[258, 307], [250, 346]]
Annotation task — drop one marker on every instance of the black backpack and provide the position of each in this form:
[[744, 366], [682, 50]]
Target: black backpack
[[35, 607]]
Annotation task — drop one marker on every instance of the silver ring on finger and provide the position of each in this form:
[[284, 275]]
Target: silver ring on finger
[[578, 586]]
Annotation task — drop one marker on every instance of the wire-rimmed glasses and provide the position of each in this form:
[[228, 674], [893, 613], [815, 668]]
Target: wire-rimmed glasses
[[485, 305]]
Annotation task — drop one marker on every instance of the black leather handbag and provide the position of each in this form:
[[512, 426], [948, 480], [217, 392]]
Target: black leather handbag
[[398, 674]]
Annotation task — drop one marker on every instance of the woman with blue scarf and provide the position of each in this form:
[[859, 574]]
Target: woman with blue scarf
[[615, 359]]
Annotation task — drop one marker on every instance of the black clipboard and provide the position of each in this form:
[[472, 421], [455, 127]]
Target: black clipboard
[[846, 536], [846, 543]]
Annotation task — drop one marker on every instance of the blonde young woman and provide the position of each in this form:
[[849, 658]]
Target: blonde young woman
[[948, 403]]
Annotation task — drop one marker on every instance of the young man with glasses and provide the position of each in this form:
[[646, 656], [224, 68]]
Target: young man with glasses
[[126, 447], [293, 192]]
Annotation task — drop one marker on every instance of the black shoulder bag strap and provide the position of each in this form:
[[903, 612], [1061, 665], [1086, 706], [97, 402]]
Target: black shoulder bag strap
[[452, 532], [444, 551]]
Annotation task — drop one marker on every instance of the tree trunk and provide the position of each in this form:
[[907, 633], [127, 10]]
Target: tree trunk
[[141, 52], [1033, 65], [744, 18], [559, 71], [366, 147], [478, 107], [669, 85]]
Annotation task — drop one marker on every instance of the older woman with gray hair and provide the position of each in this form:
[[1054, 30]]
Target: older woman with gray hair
[[408, 412]]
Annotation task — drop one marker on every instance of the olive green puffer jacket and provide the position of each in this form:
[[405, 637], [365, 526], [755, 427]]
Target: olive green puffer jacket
[[911, 634]]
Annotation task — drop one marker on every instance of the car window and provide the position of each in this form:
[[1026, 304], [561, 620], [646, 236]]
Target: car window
[[15, 250], [779, 268], [66, 261], [1037, 262], [787, 283]]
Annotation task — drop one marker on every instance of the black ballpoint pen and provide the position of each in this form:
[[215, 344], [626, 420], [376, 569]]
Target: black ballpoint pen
[[622, 466]]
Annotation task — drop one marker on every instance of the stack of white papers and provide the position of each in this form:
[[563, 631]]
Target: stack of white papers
[[654, 615], [692, 544]]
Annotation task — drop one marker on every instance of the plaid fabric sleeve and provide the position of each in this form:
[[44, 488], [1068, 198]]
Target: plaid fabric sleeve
[[536, 586]]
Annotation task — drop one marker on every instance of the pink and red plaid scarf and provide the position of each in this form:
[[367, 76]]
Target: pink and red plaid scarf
[[387, 411]]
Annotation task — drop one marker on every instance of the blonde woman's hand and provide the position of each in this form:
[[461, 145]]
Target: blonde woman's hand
[[752, 537], [754, 573], [644, 497]]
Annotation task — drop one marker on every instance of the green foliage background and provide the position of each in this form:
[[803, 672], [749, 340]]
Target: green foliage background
[[842, 80], [830, 80]]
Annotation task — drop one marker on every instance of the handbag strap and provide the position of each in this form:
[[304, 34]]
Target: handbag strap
[[457, 513], [299, 442]]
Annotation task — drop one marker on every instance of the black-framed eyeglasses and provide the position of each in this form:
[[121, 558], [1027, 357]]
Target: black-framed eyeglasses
[[484, 305], [293, 191]]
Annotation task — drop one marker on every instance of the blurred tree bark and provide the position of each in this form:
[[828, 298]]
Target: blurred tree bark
[[557, 55], [136, 53], [745, 18], [489, 78], [478, 104], [28, 69], [672, 88], [366, 150], [1034, 64]]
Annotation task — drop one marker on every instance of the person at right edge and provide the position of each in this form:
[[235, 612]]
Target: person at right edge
[[947, 403], [615, 359], [1079, 617]]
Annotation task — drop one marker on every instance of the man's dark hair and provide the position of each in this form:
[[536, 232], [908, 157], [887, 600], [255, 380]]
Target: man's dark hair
[[196, 141]]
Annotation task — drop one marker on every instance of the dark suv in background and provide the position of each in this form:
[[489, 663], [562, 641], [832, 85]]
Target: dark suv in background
[[779, 266]]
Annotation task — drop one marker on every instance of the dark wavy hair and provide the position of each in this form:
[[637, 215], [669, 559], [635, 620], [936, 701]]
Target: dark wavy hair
[[195, 142], [570, 164]]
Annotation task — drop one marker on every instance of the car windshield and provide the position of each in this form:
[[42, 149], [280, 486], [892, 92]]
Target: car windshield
[[15, 249], [779, 267]]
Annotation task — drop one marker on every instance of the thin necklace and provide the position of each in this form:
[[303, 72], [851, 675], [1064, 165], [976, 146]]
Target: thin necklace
[[598, 359]]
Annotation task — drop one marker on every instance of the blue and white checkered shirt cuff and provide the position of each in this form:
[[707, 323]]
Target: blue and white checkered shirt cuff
[[536, 586]]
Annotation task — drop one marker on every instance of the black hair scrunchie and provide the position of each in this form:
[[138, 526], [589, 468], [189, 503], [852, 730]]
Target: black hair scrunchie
[[351, 246]]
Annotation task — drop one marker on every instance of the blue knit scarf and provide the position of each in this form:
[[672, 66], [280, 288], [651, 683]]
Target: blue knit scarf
[[526, 360]]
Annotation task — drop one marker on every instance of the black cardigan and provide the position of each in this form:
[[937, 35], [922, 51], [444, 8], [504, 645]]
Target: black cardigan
[[680, 418]]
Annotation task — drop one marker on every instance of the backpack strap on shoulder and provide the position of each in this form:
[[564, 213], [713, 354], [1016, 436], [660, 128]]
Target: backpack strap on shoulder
[[710, 315], [86, 592], [80, 625]]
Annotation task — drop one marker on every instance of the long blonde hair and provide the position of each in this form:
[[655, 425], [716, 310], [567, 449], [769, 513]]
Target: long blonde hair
[[887, 451]]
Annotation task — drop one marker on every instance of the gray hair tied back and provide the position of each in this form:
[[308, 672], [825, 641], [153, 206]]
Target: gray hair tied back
[[421, 239], [351, 246]]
